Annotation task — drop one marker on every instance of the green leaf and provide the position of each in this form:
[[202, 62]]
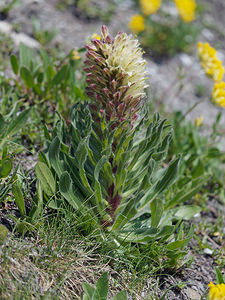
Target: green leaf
[[161, 185], [17, 193], [120, 296], [5, 167], [66, 189], [37, 208], [14, 64], [27, 77], [98, 191], [88, 291], [59, 76], [2, 123], [177, 244], [101, 290], [81, 155], [157, 208], [26, 56], [219, 277], [53, 154], [3, 233], [16, 124], [187, 212], [188, 191], [46, 178]]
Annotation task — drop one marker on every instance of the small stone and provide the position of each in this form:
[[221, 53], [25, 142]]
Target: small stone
[[192, 294], [186, 60], [25, 39], [207, 34], [208, 251], [5, 27]]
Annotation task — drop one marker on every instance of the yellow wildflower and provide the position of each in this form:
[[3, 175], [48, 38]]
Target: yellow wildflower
[[149, 7], [186, 9], [218, 94], [216, 292], [199, 121], [96, 36], [75, 55], [137, 24], [210, 63]]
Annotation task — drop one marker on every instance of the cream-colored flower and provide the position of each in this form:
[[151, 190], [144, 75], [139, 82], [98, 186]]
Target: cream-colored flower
[[186, 9], [216, 292], [218, 94], [149, 7], [116, 74], [137, 24]]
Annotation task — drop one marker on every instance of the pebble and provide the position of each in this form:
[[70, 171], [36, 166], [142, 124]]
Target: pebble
[[192, 294], [5, 27], [18, 38], [25, 39]]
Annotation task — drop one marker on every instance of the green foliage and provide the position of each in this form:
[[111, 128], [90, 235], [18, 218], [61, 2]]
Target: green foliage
[[168, 37], [43, 36], [90, 9], [201, 155], [5, 170], [100, 292], [116, 179], [41, 77], [28, 221], [3, 233], [219, 277], [6, 6], [11, 124]]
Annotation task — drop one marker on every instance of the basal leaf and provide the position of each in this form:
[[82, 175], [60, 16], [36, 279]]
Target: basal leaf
[[46, 178]]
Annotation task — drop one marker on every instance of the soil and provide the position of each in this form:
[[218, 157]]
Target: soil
[[72, 31]]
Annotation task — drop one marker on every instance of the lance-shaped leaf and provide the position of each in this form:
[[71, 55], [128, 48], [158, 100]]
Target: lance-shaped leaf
[[81, 156], [46, 178], [53, 155], [161, 185], [97, 185], [66, 188], [188, 191]]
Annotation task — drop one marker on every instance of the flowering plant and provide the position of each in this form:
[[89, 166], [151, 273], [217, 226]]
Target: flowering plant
[[108, 163], [165, 34]]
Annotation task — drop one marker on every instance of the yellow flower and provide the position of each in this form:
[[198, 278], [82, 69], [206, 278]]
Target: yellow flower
[[216, 292], [75, 55], [149, 7], [186, 9], [96, 36], [210, 63], [137, 24], [199, 121], [218, 94]]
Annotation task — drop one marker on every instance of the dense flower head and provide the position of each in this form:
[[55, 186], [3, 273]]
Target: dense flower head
[[186, 9], [212, 66], [116, 74], [149, 7], [137, 24], [218, 94], [216, 292]]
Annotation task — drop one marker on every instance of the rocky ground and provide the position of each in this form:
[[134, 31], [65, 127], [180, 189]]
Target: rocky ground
[[72, 32]]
